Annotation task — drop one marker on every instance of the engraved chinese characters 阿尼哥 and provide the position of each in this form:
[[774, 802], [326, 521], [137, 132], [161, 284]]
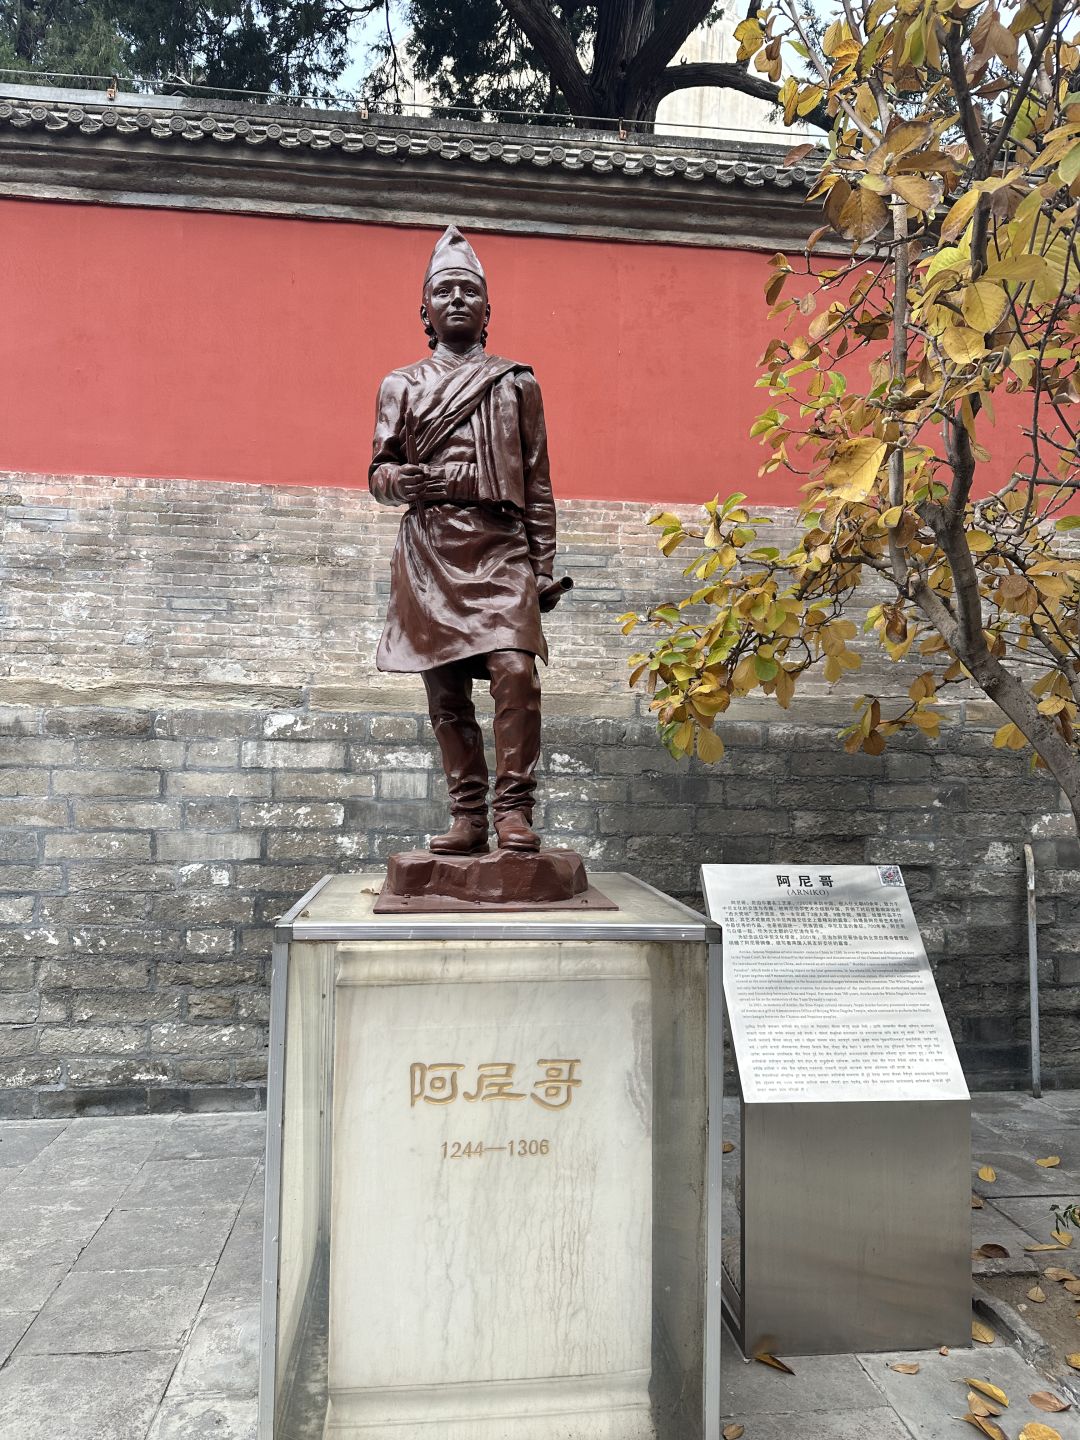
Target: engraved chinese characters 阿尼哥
[[438, 1083]]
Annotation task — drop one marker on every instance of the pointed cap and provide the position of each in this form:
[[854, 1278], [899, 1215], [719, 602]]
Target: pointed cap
[[453, 252]]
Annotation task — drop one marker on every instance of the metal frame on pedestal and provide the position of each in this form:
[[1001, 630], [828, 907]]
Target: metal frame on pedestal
[[293, 927]]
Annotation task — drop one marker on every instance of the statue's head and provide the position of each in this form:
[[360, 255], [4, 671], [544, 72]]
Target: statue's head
[[455, 305]]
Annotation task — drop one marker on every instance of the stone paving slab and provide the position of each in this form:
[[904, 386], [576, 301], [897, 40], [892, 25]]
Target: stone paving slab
[[55, 1231], [144, 1239], [13, 1326], [191, 1182], [1018, 1175], [23, 1140], [83, 1397], [222, 1355], [1034, 1216], [932, 1402], [199, 1137], [824, 1383], [118, 1310], [26, 1282], [200, 1417], [877, 1424], [239, 1271]]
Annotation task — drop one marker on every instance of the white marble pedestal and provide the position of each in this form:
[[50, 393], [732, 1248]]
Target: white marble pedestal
[[491, 1221], [516, 1163]]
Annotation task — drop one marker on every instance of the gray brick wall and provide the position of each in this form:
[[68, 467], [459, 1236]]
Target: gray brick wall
[[173, 777]]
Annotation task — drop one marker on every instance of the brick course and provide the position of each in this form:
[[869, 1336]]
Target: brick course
[[168, 786]]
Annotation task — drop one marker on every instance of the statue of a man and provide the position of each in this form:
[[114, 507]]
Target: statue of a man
[[460, 440]]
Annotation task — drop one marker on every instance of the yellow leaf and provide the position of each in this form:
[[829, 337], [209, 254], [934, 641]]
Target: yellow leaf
[[963, 345], [1037, 1294], [1031, 1249], [1050, 1162], [987, 1173], [710, 747], [988, 1428], [733, 1432], [854, 468], [1008, 738], [982, 1333], [1055, 1272], [863, 215], [979, 542], [906, 1367], [1047, 1401], [956, 222], [728, 1147], [984, 304], [921, 193], [978, 1406], [992, 1392], [763, 1358], [1073, 1360], [1035, 1430], [1063, 1237]]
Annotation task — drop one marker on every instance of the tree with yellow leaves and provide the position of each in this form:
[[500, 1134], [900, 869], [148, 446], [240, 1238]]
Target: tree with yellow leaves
[[951, 193]]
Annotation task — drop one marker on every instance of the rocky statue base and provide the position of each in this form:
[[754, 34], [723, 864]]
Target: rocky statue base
[[420, 881]]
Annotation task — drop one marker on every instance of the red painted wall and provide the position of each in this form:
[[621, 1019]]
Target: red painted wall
[[169, 343]]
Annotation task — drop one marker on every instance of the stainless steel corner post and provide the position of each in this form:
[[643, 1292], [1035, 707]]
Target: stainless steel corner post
[[852, 1226], [494, 1172]]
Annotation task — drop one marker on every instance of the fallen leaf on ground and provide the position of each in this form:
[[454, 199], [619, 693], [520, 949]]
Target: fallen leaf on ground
[[976, 1201], [982, 1333], [987, 1427], [733, 1432], [1072, 1286], [905, 1367], [1048, 1401], [987, 1173], [1049, 1162], [978, 1406], [992, 1251], [1063, 1237], [1055, 1272], [943, 1350], [1037, 1293], [1036, 1430], [1073, 1360], [992, 1392], [728, 1147], [1031, 1249], [766, 1359]]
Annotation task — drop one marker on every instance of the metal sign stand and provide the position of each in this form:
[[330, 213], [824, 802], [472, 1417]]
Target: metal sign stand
[[854, 1159]]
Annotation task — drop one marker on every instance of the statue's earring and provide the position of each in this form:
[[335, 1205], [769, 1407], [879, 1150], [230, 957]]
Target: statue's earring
[[433, 339]]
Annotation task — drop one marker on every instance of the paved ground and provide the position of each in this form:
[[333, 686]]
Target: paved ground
[[129, 1276]]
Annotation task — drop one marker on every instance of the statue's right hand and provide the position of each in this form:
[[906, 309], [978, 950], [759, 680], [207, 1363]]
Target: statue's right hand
[[410, 482]]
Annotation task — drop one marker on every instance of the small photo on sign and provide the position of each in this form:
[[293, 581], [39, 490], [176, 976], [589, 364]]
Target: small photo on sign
[[890, 875]]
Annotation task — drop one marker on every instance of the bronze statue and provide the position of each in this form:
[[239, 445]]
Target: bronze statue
[[460, 440]]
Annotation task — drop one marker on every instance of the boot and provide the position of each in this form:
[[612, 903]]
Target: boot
[[468, 835], [514, 832], [515, 688], [461, 746]]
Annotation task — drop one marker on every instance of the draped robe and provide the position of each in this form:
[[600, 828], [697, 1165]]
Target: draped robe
[[463, 575]]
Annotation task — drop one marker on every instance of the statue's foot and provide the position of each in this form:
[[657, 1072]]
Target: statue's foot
[[468, 835], [514, 832]]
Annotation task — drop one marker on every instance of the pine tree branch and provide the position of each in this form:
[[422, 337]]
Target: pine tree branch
[[726, 76], [672, 29], [555, 46]]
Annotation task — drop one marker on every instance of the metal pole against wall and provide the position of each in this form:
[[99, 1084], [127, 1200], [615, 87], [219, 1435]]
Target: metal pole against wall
[[1033, 974]]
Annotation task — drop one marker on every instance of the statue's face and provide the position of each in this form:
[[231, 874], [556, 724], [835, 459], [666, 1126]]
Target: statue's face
[[456, 305]]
